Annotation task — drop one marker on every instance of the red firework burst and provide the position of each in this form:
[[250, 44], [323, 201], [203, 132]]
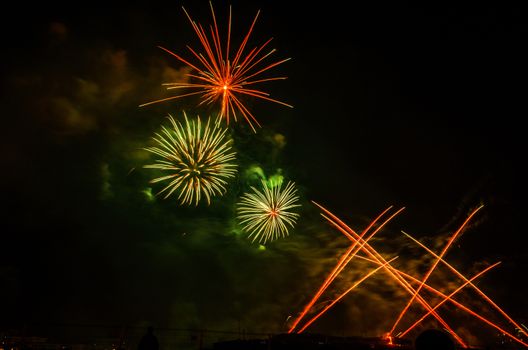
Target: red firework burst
[[219, 78]]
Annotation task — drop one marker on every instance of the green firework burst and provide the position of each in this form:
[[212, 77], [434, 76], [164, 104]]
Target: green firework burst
[[266, 214], [199, 160]]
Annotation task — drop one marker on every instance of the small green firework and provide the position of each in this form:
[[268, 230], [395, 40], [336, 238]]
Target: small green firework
[[266, 214]]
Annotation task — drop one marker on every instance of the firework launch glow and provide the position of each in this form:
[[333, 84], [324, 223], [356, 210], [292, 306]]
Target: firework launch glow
[[266, 214], [473, 286], [345, 259], [405, 280], [374, 254], [447, 297], [336, 300], [431, 269], [199, 159], [220, 78]]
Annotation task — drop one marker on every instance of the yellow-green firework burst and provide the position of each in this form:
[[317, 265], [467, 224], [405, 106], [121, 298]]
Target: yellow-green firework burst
[[266, 214], [198, 158]]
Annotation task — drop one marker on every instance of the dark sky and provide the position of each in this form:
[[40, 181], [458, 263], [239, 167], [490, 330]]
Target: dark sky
[[419, 106]]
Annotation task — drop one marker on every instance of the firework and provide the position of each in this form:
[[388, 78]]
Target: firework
[[197, 158], [354, 286], [480, 292], [405, 279], [343, 261], [266, 214], [220, 78], [376, 256], [453, 301], [431, 269], [449, 297]]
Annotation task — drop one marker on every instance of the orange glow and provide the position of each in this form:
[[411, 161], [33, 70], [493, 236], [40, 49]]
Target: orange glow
[[348, 232], [449, 297], [388, 338], [343, 261], [218, 77], [431, 269], [343, 295], [456, 303], [482, 294], [404, 279]]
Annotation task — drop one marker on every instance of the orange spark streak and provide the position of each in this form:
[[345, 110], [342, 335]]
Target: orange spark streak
[[356, 250], [431, 269], [477, 289], [348, 232], [337, 269], [449, 297], [343, 295], [220, 78], [456, 303]]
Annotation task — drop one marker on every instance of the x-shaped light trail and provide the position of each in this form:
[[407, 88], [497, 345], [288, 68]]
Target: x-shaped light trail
[[360, 244]]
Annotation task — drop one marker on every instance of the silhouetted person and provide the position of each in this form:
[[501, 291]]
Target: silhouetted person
[[149, 341], [434, 339]]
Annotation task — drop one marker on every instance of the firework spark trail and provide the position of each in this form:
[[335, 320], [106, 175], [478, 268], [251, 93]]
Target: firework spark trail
[[491, 302], [355, 285], [321, 290], [223, 79], [357, 249], [449, 297], [338, 268], [198, 158], [456, 303], [348, 232], [431, 269], [265, 215]]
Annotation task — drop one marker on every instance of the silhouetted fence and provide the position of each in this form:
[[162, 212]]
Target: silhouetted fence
[[112, 337]]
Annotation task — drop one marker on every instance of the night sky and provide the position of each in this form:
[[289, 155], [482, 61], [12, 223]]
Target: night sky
[[416, 106]]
